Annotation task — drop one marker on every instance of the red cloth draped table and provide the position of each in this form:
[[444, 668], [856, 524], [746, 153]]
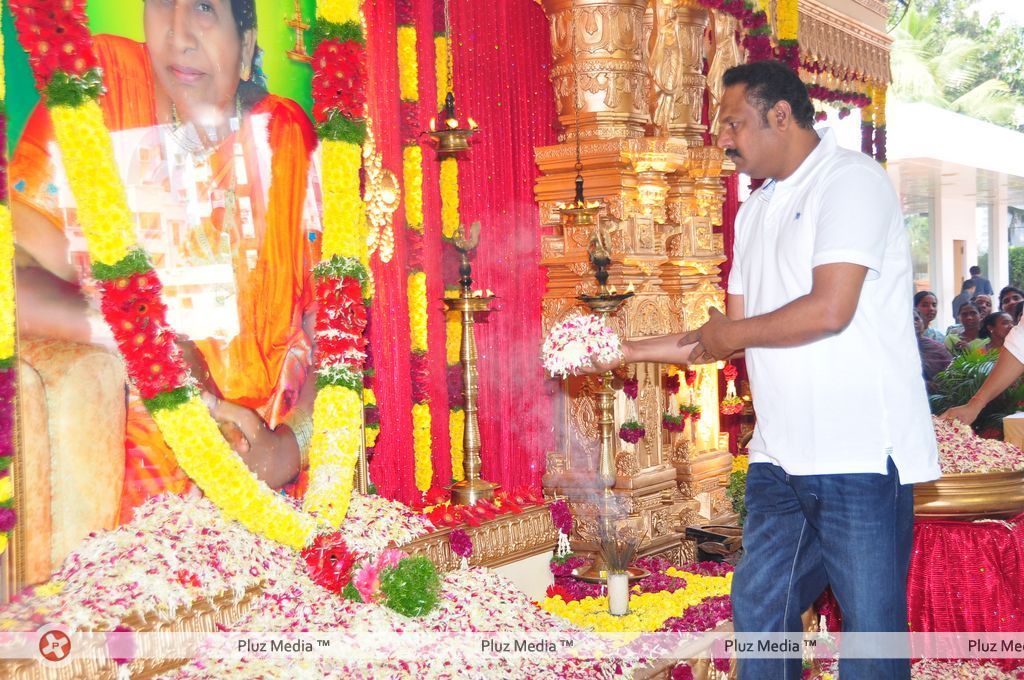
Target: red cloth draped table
[[966, 577]]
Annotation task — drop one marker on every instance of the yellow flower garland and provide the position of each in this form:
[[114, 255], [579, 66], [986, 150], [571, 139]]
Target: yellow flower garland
[[333, 451], [647, 611], [421, 446], [339, 11], [6, 284], [408, 70], [440, 69], [370, 432], [449, 197], [88, 155], [412, 174], [740, 463], [417, 290], [456, 428], [878, 101], [787, 19], [343, 206]]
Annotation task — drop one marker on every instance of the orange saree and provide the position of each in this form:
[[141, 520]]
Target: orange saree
[[260, 222]]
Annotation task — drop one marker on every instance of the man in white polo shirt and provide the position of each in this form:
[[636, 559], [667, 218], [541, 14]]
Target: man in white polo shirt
[[819, 299]]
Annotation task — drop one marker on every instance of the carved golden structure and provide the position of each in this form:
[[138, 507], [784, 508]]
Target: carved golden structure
[[644, 160]]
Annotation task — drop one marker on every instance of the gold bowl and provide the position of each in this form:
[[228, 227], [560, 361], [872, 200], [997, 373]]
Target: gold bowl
[[971, 495]]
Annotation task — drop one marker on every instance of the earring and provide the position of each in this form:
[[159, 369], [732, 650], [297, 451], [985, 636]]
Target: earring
[[245, 71]]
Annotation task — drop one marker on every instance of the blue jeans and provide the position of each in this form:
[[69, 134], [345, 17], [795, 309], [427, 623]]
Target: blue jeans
[[804, 532]]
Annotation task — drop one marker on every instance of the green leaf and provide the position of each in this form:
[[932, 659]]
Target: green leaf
[[328, 30], [135, 262], [412, 587], [341, 129], [71, 90]]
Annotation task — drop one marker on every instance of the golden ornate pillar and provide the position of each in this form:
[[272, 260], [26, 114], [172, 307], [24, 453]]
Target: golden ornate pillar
[[613, 85], [676, 61]]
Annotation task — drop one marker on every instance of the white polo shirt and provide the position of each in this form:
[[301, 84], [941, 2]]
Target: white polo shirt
[[847, 402]]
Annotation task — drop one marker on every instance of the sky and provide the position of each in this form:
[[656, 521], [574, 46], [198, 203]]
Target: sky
[[1012, 10]]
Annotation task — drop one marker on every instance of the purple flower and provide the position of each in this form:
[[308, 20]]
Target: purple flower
[[631, 387], [565, 567], [653, 564], [632, 432], [682, 671], [461, 543], [561, 516], [671, 383], [659, 582], [700, 617], [8, 518]]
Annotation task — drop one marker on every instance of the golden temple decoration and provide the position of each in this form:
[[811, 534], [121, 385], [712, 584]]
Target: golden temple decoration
[[843, 44], [381, 195], [300, 26]]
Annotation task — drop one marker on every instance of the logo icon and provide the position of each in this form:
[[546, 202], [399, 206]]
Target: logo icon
[[55, 645]]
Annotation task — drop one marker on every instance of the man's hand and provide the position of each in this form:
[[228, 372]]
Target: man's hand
[[712, 339], [966, 414], [598, 367]]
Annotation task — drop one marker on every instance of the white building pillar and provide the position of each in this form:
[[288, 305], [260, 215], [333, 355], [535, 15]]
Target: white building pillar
[[999, 238]]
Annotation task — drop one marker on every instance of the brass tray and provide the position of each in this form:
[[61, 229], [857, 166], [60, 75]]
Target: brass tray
[[971, 495]]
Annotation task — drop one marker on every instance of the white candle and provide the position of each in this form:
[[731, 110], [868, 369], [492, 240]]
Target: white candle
[[618, 593]]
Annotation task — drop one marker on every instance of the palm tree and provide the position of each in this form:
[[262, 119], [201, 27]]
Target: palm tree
[[946, 74]]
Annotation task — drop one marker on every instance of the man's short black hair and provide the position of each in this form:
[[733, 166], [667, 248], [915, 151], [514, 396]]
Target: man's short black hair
[[769, 82], [975, 270], [968, 285]]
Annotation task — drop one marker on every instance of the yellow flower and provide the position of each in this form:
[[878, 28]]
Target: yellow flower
[[648, 611], [344, 214], [225, 479], [740, 463], [370, 435], [449, 197], [408, 69], [339, 11], [6, 489], [333, 451], [6, 284], [3, 543], [49, 588], [421, 446], [879, 105], [417, 292], [412, 173], [88, 156], [787, 19], [441, 69], [369, 398], [456, 426]]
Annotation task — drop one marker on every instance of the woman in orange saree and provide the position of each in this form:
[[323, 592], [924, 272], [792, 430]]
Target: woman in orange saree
[[216, 170]]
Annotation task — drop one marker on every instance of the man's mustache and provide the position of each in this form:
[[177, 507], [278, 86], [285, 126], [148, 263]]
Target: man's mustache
[[732, 153]]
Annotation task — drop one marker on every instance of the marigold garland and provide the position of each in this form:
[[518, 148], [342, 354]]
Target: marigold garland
[[416, 286], [343, 273]]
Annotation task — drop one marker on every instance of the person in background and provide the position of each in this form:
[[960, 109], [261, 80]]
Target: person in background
[[934, 355], [995, 328], [967, 340], [983, 303], [966, 293], [1018, 310], [982, 285], [927, 305], [1008, 297]]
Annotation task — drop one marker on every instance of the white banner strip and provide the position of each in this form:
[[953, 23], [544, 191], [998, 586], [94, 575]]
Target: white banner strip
[[57, 645]]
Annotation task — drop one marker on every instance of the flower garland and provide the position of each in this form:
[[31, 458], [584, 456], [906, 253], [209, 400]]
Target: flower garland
[[342, 276], [412, 173], [731, 403], [787, 23], [450, 221], [462, 545], [878, 100], [561, 517], [8, 373]]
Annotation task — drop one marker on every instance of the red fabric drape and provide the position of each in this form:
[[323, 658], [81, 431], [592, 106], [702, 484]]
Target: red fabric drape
[[966, 576], [391, 468], [502, 55]]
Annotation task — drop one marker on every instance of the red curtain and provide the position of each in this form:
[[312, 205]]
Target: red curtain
[[502, 55]]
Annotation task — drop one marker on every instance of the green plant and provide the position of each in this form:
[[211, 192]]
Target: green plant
[[962, 380], [736, 491]]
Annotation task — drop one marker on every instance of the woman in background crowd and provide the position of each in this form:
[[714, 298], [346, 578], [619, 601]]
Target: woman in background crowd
[[967, 339], [934, 356], [995, 328], [927, 305]]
